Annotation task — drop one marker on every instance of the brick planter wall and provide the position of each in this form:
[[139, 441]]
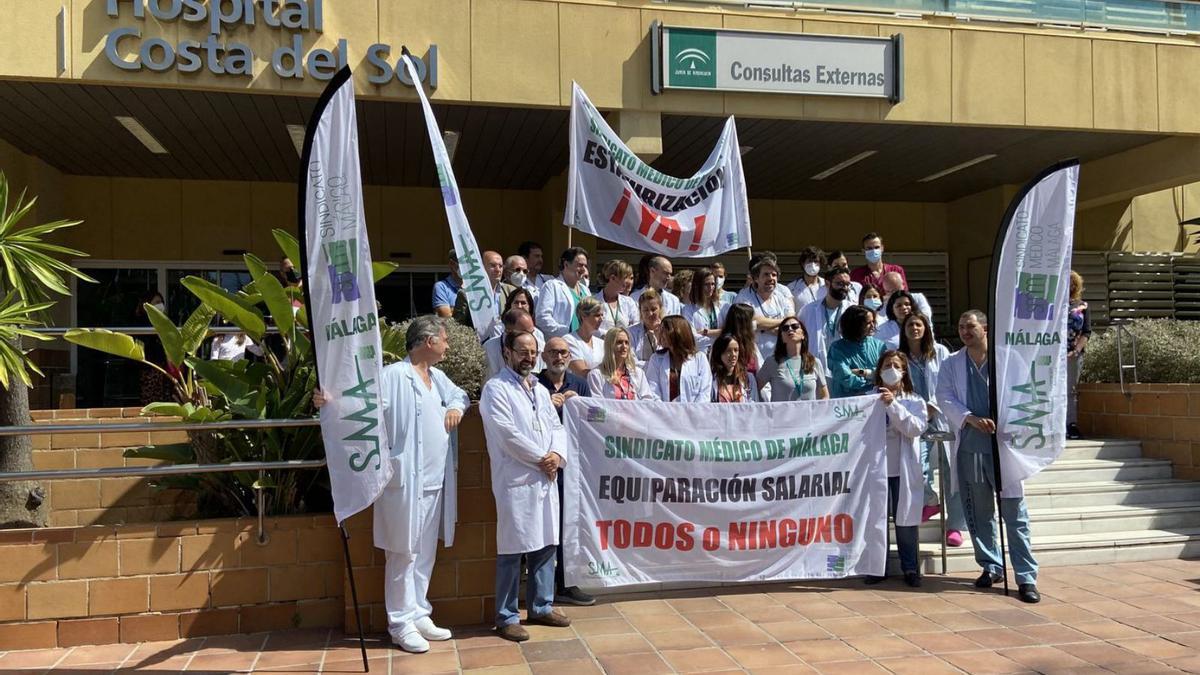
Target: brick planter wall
[[134, 583], [104, 500], [1165, 417]]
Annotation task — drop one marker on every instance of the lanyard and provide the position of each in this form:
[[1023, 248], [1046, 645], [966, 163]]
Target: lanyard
[[763, 309], [797, 382], [577, 296], [712, 317], [831, 325], [623, 388], [617, 319]]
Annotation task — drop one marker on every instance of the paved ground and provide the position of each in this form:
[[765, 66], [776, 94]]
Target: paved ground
[[1128, 618]]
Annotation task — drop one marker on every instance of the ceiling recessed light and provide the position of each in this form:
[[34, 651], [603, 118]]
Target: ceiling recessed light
[[957, 167], [142, 134], [838, 167]]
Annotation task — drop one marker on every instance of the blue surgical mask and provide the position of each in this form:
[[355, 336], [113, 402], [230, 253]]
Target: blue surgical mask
[[873, 255], [873, 304]]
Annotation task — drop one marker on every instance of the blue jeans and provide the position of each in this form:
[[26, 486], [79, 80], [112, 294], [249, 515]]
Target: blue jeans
[[907, 538], [539, 586], [979, 504]]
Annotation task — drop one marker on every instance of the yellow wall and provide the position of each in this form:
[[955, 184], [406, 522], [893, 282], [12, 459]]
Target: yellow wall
[[527, 52]]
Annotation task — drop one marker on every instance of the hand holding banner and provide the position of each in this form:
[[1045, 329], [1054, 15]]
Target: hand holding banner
[[614, 195]]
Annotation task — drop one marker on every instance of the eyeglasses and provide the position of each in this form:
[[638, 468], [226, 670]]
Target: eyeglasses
[[790, 327], [559, 352], [527, 354]]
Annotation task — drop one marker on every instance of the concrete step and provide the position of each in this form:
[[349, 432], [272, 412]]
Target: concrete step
[[1098, 519], [1098, 470], [1077, 549], [1040, 496], [1102, 448]]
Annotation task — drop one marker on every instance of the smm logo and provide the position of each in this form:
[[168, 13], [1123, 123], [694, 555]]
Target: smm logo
[[692, 58]]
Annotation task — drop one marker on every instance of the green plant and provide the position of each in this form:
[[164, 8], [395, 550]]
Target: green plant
[[1166, 352], [465, 363], [279, 386], [30, 275]]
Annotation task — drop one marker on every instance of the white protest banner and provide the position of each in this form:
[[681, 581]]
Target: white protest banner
[[616, 196], [723, 492], [482, 299], [1031, 269], [339, 287]]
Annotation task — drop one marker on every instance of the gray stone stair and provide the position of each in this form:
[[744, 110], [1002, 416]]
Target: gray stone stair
[[1101, 502]]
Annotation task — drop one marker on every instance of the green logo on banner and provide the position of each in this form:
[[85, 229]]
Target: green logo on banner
[[692, 61]]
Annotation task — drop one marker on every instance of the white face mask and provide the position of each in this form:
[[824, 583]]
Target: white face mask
[[720, 283], [517, 279], [160, 307], [812, 269], [891, 376]]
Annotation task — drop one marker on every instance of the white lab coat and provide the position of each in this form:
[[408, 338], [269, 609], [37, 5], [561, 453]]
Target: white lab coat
[[803, 294], [888, 332], [638, 339], [627, 312], [933, 368], [951, 400], [590, 352], [493, 348], [601, 387], [397, 507], [813, 318], [522, 427], [695, 378], [671, 304], [555, 308], [906, 421], [701, 319]]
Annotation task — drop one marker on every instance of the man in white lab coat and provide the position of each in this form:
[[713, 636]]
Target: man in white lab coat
[[558, 297], [421, 409], [527, 445], [963, 394], [822, 320]]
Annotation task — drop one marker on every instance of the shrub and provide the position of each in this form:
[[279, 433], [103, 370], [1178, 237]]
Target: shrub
[[1166, 352], [465, 362]]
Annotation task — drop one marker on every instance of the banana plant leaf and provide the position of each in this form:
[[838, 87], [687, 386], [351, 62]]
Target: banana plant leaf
[[104, 340]]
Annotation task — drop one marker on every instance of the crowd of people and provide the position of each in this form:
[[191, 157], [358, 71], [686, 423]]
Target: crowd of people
[[643, 335]]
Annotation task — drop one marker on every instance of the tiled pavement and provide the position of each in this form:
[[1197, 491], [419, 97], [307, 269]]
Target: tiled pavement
[[1127, 618]]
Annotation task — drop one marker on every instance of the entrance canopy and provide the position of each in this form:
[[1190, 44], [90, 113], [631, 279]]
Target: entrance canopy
[[83, 129]]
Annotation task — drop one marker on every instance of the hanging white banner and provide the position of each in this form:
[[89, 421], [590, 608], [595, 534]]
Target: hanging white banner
[[482, 300], [1028, 332], [723, 492], [341, 301], [616, 196]]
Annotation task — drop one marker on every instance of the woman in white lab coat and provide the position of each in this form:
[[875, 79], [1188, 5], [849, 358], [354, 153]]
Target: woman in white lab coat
[[644, 335], [619, 309], [679, 371], [586, 343], [906, 421], [705, 310], [618, 375]]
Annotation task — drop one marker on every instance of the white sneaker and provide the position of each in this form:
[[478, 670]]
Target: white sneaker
[[411, 642], [431, 631]]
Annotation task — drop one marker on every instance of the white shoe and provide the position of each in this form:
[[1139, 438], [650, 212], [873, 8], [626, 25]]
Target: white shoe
[[431, 631], [411, 642]]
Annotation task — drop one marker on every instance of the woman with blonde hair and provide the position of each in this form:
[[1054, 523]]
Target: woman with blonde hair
[[679, 371], [1079, 329], [587, 347], [619, 309], [618, 375], [644, 335]]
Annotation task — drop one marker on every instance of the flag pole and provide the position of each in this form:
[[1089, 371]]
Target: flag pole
[[340, 78]]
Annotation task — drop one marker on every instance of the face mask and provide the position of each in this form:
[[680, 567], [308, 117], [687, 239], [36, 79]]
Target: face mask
[[160, 307], [838, 294], [291, 276], [720, 283], [873, 304], [517, 279], [874, 255], [891, 376], [812, 269]]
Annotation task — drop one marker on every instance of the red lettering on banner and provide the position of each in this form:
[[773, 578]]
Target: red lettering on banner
[[648, 218], [622, 534], [604, 526], [618, 215], [668, 232], [787, 532], [697, 234]]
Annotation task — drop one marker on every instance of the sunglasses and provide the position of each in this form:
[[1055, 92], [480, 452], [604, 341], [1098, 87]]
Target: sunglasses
[[789, 327]]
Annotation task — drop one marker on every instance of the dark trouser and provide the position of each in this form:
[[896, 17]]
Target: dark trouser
[[907, 537], [559, 581]]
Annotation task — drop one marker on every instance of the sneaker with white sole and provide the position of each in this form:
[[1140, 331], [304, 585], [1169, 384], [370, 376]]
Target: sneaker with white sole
[[411, 642], [431, 631]]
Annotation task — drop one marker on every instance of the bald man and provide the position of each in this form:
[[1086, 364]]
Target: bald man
[[493, 264]]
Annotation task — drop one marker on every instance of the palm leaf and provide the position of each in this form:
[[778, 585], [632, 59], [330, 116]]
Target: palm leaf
[[289, 246], [237, 309], [103, 340], [168, 333]]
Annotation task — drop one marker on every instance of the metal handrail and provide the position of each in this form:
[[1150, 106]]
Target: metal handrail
[[59, 331], [1122, 331], [169, 470], [939, 439]]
